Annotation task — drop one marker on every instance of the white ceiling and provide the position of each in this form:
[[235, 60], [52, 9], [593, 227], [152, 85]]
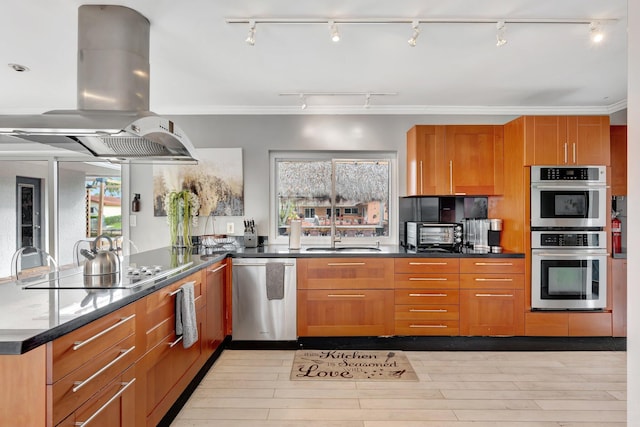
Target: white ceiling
[[201, 65]]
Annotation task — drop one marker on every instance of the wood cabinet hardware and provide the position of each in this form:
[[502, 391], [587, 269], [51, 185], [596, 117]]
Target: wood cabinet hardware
[[173, 344], [494, 263], [217, 269], [345, 263], [433, 310], [428, 263], [427, 326], [437, 279], [494, 295], [346, 295], [497, 279], [80, 344]]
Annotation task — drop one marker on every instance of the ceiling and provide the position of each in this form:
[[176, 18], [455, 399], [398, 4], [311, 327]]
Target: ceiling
[[200, 64]]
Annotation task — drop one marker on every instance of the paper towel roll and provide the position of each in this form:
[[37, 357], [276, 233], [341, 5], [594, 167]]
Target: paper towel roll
[[295, 230]]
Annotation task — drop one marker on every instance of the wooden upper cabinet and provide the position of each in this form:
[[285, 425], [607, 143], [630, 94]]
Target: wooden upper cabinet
[[474, 157], [618, 160], [455, 160], [567, 140], [425, 157]]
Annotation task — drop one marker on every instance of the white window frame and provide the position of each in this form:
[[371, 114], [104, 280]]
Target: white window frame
[[392, 156]]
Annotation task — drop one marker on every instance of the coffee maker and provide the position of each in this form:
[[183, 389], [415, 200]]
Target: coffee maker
[[482, 236]]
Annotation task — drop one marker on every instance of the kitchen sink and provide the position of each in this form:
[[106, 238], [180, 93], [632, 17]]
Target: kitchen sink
[[344, 249]]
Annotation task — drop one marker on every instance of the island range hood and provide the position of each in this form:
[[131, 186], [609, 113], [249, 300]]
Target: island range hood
[[113, 120]]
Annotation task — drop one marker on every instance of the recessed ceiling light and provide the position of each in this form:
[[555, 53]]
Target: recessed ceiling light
[[19, 68]]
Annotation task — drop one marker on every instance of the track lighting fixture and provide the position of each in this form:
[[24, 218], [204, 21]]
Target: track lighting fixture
[[251, 36], [596, 32], [302, 96], [501, 34], [335, 34], [415, 25], [595, 25]]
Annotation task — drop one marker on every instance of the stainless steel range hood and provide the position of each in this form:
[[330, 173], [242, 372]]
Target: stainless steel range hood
[[113, 120]]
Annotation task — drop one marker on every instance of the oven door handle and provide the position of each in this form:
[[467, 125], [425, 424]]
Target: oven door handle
[[581, 254], [589, 185]]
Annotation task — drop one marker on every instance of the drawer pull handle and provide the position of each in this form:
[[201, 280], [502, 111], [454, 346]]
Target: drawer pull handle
[[170, 294], [80, 344], [427, 326], [417, 310], [345, 263], [173, 344], [494, 295], [215, 270], [125, 386], [346, 295], [497, 279], [495, 263], [428, 263], [431, 279], [428, 295], [123, 353]]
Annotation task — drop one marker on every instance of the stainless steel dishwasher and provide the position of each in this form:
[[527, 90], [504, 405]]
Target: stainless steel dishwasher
[[255, 317]]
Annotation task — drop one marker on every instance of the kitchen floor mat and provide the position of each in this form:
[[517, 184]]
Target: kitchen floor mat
[[353, 365]]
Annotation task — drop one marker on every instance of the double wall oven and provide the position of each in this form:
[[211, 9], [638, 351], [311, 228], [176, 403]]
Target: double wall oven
[[568, 241]]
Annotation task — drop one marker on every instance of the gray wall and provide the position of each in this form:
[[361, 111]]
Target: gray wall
[[257, 135]]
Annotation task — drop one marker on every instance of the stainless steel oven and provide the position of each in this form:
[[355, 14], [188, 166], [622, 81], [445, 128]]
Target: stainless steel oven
[[568, 196], [569, 270]]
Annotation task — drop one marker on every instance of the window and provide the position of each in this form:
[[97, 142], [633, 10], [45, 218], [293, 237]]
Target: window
[[357, 190]]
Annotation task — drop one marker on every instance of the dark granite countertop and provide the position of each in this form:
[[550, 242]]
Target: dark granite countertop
[[32, 317]]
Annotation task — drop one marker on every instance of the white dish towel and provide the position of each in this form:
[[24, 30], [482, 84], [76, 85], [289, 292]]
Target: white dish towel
[[186, 324]]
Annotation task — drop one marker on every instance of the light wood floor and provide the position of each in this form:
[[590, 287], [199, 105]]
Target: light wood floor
[[456, 389]]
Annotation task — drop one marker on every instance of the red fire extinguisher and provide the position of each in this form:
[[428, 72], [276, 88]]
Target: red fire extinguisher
[[616, 235]]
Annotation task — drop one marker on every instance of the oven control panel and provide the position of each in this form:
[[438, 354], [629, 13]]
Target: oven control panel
[[550, 240], [549, 174]]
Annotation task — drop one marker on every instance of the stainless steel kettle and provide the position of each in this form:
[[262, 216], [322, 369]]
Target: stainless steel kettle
[[101, 267]]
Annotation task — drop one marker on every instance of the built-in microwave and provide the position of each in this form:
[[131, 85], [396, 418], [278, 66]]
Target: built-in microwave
[[426, 236], [568, 196]]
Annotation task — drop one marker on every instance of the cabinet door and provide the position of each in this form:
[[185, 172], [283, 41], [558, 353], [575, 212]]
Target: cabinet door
[[545, 140], [345, 273], [619, 297], [425, 158], [588, 140], [618, 160], [347, 312], [474, 158], [214, 293], [491, 312]]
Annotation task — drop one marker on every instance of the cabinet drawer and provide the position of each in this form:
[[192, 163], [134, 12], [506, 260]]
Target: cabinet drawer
[[77, 387], [161, 304], [426, 265], [345, 273], [492, 265], [76, 348], [427, 312], [493, 281], [424, 327], [431, 296], [113, 406], [426, 281]]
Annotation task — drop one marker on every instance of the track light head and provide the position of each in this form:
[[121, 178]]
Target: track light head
[[415, 25], [335, 34], [251, 36], [501, 33], [596, 33]]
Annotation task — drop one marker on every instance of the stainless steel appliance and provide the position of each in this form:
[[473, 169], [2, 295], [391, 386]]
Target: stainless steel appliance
[[569, 270], [568, 196], [426, 236], [255, 316], [482, 236]]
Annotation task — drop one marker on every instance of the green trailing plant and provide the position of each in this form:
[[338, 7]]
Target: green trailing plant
[[182, 212]]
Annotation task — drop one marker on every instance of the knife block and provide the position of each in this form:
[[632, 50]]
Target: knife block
[[250, 239]]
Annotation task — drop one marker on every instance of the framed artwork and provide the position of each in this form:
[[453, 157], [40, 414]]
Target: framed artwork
[[217, 180]]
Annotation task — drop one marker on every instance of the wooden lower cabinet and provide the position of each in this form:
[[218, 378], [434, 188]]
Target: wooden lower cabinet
[[114, 405], [492, 296], [491, 312], [619, 297], [345, 297], [572, 324], [345, 312]]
